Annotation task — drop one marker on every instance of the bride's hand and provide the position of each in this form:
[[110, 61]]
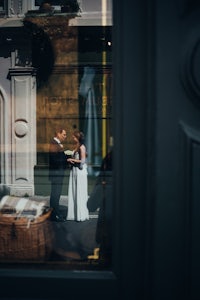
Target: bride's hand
[[70, 160]]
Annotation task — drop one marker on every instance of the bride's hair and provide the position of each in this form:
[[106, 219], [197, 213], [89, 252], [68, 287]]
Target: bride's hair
[[79, 135]]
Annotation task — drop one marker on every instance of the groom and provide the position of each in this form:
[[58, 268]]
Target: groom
[[57, 166]]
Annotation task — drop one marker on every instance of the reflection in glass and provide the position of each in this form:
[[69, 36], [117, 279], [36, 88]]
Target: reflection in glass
[[56, 72], [86, 90]]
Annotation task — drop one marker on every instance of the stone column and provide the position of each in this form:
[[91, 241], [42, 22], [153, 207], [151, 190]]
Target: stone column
[[27, 5], [23, 130]]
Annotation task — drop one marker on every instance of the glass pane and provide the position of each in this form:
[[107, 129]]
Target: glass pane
[[56, 134]]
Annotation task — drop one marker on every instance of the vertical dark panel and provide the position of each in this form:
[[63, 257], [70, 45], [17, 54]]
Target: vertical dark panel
[[190, 194], [130, 96], [195, 219]]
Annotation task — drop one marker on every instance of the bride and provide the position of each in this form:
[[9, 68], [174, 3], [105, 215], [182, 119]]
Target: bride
[[78, 181]]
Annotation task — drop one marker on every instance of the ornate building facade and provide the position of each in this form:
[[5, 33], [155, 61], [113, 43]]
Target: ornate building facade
[[45, 59]]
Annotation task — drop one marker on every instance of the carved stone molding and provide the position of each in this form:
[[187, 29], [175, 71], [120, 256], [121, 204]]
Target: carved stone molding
[[23, 140], [189, 157], [190, 70], [21, 129], [21, 72]]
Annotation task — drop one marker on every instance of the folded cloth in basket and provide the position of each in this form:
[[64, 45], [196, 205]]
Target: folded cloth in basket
[[22, 207]]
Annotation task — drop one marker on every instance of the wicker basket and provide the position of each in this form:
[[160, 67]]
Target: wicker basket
[[24, 240]]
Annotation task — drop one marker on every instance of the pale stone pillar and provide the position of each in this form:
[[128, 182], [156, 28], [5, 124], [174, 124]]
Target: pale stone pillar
[[23, 130], [27, 5]]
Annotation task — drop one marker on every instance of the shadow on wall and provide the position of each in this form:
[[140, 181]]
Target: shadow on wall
[[42, 52]]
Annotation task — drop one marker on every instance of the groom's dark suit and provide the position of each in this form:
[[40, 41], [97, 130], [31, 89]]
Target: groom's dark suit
[[57, 166]]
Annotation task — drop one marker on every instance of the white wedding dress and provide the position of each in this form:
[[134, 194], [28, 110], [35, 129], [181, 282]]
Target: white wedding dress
[[78, 193]]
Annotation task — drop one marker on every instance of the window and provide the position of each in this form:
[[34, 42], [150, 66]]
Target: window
[[60, 77]]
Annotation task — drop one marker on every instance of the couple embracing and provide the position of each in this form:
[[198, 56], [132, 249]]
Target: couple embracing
[[78, 181]]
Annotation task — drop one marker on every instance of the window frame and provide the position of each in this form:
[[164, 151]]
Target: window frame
[[128, 273]]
